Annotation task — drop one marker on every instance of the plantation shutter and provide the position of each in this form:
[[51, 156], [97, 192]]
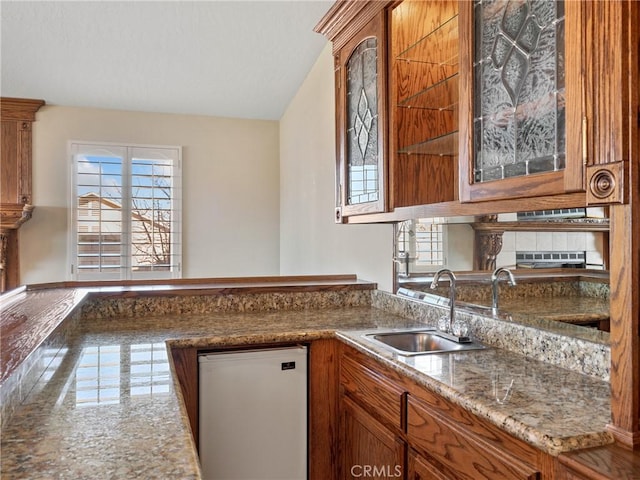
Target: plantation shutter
[[127, 212]]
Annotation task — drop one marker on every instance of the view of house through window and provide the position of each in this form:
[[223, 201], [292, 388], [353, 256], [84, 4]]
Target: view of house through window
[[127, 211]]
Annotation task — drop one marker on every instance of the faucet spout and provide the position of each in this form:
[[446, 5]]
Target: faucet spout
[[452, 294], [495, 280]]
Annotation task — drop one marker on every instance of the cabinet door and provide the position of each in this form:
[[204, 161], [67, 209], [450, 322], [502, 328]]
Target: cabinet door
[[361, 121], [367, 449], [522, 99]]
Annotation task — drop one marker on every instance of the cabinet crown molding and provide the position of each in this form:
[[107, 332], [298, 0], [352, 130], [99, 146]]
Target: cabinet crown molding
[[347, 17], [19, 108]]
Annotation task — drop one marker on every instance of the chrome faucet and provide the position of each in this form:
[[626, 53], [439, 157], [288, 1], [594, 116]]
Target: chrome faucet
[[452, 294], [495, 280]]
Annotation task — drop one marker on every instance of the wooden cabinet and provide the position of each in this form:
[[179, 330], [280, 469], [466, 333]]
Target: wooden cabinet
[[16, 200], [523, 92], [18, 115], [396, 60], [487, 104], [385, 415], [185, 364], [358, 31]]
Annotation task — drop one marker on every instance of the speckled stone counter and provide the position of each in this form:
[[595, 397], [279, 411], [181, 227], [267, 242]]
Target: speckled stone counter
[[107, 403], [553, 409]]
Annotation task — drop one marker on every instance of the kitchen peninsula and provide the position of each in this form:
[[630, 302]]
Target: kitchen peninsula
[[50, 426]]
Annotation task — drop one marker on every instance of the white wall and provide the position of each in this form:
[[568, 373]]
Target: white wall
[[230, 188], [310, 241]]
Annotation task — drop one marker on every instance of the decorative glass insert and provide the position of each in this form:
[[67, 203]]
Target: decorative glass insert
[[519, 105], [362, 124]]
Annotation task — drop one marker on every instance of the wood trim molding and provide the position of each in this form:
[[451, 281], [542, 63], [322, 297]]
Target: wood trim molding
[[345, 18], [487, 246], [625, 219], [607, 183], [19, 109], [13, 215]]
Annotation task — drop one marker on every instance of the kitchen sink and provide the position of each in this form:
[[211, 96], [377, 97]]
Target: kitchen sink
[[420, 342]]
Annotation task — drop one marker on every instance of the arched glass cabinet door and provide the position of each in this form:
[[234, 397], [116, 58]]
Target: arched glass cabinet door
[[361, 95], [522, 94]]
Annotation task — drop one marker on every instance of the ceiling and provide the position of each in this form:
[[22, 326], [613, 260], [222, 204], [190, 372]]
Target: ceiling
[[243, 59]]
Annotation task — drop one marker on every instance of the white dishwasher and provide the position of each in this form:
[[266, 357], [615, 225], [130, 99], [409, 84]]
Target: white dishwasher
[[253, 414]]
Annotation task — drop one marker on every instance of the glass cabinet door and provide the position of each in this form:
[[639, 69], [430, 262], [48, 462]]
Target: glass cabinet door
[[361, 169], [523, 129]]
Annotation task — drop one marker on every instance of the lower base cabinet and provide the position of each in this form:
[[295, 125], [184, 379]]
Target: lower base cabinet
[[422, 436]]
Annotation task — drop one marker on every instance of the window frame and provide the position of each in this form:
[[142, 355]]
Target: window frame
[[126, 150]]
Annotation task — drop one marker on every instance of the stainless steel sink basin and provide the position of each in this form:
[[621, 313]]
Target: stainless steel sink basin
[[420, 342]]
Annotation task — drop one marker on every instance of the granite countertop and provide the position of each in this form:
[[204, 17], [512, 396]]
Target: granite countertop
[[554, 409], [109, 405], [560, 309]]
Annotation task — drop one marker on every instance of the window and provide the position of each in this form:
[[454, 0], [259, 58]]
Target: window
[[127, 212], [423, 241]]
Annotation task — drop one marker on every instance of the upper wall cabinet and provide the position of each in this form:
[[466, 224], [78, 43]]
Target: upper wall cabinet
[[396, 68], [361, 101], [523, 129], [358, 31], [468, 106]]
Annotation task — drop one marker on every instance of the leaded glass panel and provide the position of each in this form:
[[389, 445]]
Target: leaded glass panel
[[362, 124], [519, 105]]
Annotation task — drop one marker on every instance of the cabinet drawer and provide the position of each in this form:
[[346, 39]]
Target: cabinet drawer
[[378, 396], [468, 456]]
